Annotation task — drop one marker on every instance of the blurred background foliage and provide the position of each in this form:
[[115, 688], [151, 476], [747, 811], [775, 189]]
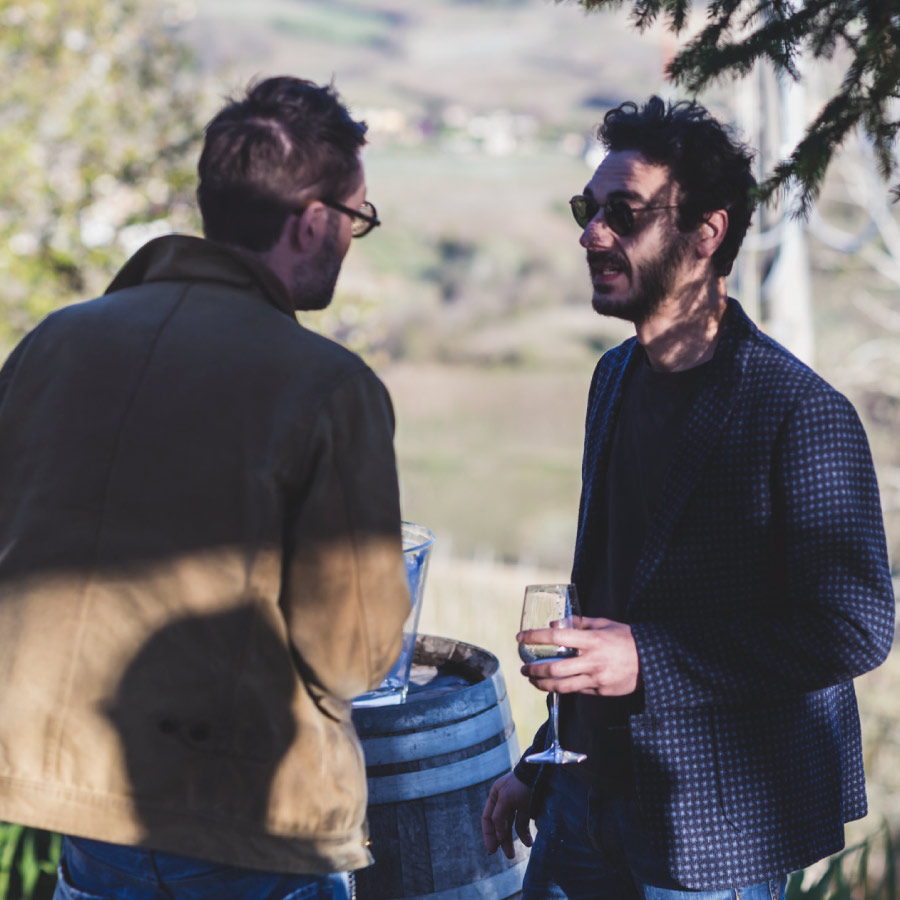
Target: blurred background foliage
[[98, 138]]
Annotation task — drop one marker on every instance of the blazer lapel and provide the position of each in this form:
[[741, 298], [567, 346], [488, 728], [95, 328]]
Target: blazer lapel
[[605, 401], [697, 442]]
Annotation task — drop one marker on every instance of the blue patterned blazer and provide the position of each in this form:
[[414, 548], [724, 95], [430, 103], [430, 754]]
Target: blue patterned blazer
[[762, 590]]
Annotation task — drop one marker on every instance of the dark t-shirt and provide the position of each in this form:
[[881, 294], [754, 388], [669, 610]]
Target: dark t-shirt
[[654, 407]]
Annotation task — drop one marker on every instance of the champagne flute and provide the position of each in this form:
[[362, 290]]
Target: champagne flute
[[549, 606]]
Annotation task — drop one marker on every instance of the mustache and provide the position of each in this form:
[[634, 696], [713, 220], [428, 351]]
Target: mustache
[[597, 259]]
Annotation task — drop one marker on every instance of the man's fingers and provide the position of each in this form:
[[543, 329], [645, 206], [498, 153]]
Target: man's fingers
[[495, 824], [500, 836], [488, 831], [523, 829], [559, 668], [507, 802], [501, 822], [561, 637], [564, 684], [503, 830], [587, 623], [489, 806]]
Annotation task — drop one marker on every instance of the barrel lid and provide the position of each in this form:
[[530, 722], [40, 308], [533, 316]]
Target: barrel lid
[[449, 681]]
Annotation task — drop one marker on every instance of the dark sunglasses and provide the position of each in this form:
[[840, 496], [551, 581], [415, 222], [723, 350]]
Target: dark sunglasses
[[617, 214], [364, 219]]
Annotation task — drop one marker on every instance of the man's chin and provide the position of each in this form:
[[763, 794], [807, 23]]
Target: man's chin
[[606, 305], [312, 304], [313, 287], [313, 294]]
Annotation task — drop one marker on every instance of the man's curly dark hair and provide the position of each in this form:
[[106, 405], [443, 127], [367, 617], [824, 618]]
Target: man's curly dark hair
[[712, 168]]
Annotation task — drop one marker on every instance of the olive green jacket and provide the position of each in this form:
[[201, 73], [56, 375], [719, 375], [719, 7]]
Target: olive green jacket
[[200, 567]]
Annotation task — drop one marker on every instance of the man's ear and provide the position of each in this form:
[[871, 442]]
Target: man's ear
[[712, 232], [308, 229]]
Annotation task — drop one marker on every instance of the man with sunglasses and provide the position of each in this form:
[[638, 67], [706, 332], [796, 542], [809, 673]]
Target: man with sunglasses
[[730, 560], [200, 552]]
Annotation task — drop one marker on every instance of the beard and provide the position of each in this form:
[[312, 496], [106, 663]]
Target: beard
[[313, 288], [655, 281]]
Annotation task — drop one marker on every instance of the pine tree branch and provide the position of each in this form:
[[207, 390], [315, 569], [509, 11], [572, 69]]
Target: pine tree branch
[[739, 34], [806, 167], [679, 11], [597, 5]]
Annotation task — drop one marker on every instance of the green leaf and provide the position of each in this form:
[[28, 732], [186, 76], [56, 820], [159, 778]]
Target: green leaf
[[10, 846], [29, 867]]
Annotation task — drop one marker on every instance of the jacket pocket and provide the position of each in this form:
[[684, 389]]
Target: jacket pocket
[[778, 767]]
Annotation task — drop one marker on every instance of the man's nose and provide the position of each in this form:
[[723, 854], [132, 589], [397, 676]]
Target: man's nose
[[597, 235]]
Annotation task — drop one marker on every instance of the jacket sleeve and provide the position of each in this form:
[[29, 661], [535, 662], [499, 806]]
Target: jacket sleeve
[[528, 773], [832, 616], [345, 594]]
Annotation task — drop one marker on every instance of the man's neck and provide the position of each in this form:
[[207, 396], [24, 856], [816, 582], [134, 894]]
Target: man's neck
[[683, 332]]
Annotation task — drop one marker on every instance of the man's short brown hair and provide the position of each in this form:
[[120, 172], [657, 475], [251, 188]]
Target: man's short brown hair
[[288, 141]]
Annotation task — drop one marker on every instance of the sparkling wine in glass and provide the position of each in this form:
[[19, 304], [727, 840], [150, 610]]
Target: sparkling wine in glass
[[549, 606]]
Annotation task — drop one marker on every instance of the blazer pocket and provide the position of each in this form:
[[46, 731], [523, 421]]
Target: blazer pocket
[[778, 767]]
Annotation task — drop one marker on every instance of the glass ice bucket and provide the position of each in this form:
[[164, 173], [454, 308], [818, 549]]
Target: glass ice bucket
[[417, 544]]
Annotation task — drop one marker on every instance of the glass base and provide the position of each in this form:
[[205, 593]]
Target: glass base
[[556, 756], [394, 688], [385, 695]]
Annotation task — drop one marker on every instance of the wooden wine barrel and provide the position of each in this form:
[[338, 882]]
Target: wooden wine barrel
[[430, 763]]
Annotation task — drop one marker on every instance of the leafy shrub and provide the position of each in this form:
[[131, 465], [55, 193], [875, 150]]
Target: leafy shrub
[[850, 875], [28, 860]]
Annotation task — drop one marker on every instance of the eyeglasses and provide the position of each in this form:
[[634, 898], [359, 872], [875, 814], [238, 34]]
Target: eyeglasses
[[617, 214], [364, 219]]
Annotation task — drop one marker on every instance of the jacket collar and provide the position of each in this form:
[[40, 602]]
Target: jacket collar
[[601, 420], [181, 257]]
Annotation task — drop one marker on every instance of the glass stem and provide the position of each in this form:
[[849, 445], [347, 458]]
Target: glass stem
[[554, 721]]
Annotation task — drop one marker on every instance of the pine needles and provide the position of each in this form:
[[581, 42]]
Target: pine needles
[[738, 34]]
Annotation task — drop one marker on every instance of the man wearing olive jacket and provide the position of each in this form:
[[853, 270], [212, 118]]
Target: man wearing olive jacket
[[200, 555]]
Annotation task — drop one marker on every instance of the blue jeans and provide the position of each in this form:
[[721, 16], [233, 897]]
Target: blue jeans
[[93, 870], [592, 847]]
